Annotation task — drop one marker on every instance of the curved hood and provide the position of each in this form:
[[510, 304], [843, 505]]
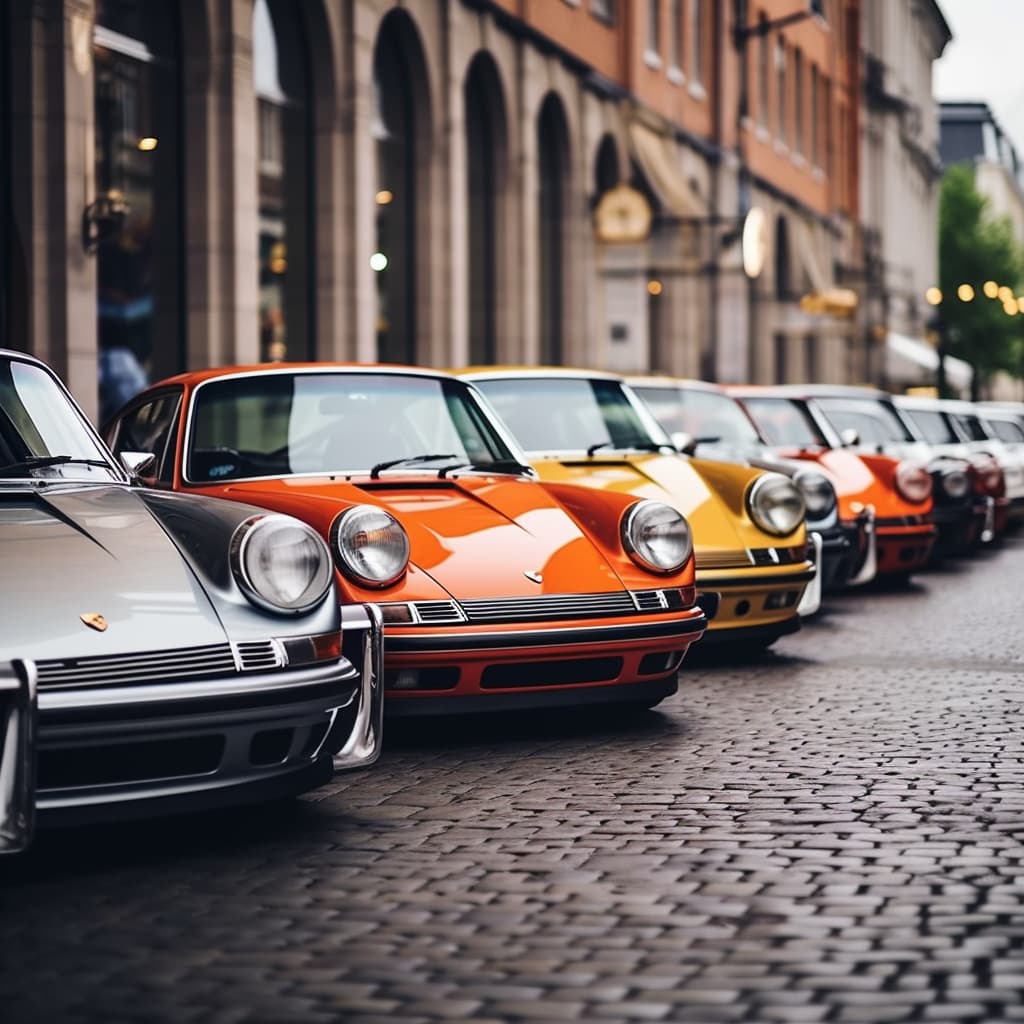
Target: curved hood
[[710, 494], [66, 551], [473, 535]]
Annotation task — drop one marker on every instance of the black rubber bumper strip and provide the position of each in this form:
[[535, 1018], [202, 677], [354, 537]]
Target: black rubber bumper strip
[[729, 583]]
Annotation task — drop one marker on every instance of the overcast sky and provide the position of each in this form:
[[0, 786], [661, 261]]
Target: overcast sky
[[985, 60]]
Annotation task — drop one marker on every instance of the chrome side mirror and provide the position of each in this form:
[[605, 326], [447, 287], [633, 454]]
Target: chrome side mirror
[[685, 443], [137, 462], [849, 437]]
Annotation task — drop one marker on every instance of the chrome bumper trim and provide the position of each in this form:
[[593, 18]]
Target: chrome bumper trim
[[811, 601], [17, 755], [869, 567], [364, 742]]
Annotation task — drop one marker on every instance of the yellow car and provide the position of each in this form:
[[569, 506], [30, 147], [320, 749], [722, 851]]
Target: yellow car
[[586, 427]]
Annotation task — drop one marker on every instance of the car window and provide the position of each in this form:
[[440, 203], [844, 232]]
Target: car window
[[37, 421], [277, 424], [1006, 430], [152, 427], [700, 413], [569, 414], [876, 422], [933, 425], [785, 422], [870, 429], [970, 427]]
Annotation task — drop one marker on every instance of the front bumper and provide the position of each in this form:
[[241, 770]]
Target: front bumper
[[904, 544], [443, 670], [756, 604], [121, 749]]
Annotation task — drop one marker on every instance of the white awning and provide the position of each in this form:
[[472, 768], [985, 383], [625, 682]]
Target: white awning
[[655, 153], [907, 356]]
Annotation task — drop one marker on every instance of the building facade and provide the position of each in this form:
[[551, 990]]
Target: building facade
[[195, 182], [900, 188]]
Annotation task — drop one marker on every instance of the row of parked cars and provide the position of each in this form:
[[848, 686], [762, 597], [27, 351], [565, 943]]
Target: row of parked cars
[[220, 599]]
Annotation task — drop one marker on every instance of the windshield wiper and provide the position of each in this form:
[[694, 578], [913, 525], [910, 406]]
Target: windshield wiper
[[638, 446], [42, 461], [497, 466], [408, 461]]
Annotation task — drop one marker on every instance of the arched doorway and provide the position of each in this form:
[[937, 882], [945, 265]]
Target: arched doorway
[[134, 225], [285, 185], [553, 164], [486, 154], [606, 167], [401, 133]]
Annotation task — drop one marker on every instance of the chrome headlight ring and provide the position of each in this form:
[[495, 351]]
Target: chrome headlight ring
[[955, 483], [818, 493], [775, 504], [913, 482], [371, 546], [656, 536], [280, 564]]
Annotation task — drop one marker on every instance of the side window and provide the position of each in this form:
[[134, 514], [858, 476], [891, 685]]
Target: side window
[[152, 427]]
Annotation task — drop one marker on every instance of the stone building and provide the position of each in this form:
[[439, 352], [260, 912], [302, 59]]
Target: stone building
[[196, 182]]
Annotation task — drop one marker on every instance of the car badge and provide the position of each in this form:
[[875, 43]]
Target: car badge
[[94, 620], [533, 576]]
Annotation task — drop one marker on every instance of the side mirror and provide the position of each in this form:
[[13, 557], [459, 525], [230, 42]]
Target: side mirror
[[137, 462], [685, 443], [849, 437]]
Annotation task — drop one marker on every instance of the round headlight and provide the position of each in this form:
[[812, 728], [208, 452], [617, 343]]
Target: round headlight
[[955, 483], [280, 564], [775, 504], [990, 476], [913, 482], [818, 492], [372, 545], [656, 536]]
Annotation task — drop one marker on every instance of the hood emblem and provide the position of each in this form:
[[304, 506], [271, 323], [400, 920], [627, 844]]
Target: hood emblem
[[533, 576], [94, 620]]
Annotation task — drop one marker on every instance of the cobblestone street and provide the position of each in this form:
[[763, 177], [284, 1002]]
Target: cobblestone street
[[833, 834]]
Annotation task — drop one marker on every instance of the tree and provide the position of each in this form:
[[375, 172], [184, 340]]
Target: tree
[[974, 248]]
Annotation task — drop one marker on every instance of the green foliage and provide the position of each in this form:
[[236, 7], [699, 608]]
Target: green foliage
[[975, 247]]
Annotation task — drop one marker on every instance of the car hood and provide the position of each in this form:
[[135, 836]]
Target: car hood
[[710, 494], [66, 551], [472, 535]]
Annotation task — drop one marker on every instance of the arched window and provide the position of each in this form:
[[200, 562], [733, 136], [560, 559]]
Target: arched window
[[133, 224], [397, 145], [552, 145], [485, 175], [606, 167], [280, 73]]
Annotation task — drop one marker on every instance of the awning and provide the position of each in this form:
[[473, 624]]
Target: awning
[[902, 350], [803, 243], [654, 153]]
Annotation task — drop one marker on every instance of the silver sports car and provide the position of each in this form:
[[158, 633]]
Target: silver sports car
[[159, 652]]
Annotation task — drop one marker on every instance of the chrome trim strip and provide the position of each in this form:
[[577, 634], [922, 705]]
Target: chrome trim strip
[[128, 696], [364, 743], [811, 601], [18, 714], [562, 636], [869, 567]]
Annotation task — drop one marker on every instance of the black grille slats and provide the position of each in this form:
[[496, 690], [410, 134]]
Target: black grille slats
[[144, 667]]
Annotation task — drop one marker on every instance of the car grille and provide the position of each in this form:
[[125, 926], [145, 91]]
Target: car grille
[[160, 666]]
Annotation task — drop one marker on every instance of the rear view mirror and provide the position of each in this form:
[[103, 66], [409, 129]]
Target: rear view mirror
[[685, 443], [849, 437], [137, 462]]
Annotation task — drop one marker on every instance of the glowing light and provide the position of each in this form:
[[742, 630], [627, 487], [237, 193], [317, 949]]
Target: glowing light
[[965, 293], [147, 143], [1010, 308], [1005, 294], [991, 289], [1020, 303], [384, 196], [378, 261], [654, 287], [933, 296]]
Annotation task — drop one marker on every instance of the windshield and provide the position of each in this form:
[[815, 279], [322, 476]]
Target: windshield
[[41, 432], [702, 414], [933, 426], [785, 423], [1006, 430], [970, 426], [279, 424], [570, 414], [874, 421]]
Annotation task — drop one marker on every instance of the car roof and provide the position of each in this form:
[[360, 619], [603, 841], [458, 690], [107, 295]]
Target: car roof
[[807, 390], [512, 371], [212, 373], [663, 380], [927, 402]]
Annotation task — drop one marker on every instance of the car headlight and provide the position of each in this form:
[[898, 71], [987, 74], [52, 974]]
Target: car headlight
[[280, 563], [775, 504], [954, 483], [990, 476], [656, 536], [913, 482], [371, 544], [818, 493]]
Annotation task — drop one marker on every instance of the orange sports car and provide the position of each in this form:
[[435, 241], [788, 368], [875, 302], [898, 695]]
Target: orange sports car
[[899, 491], [497, 590]]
